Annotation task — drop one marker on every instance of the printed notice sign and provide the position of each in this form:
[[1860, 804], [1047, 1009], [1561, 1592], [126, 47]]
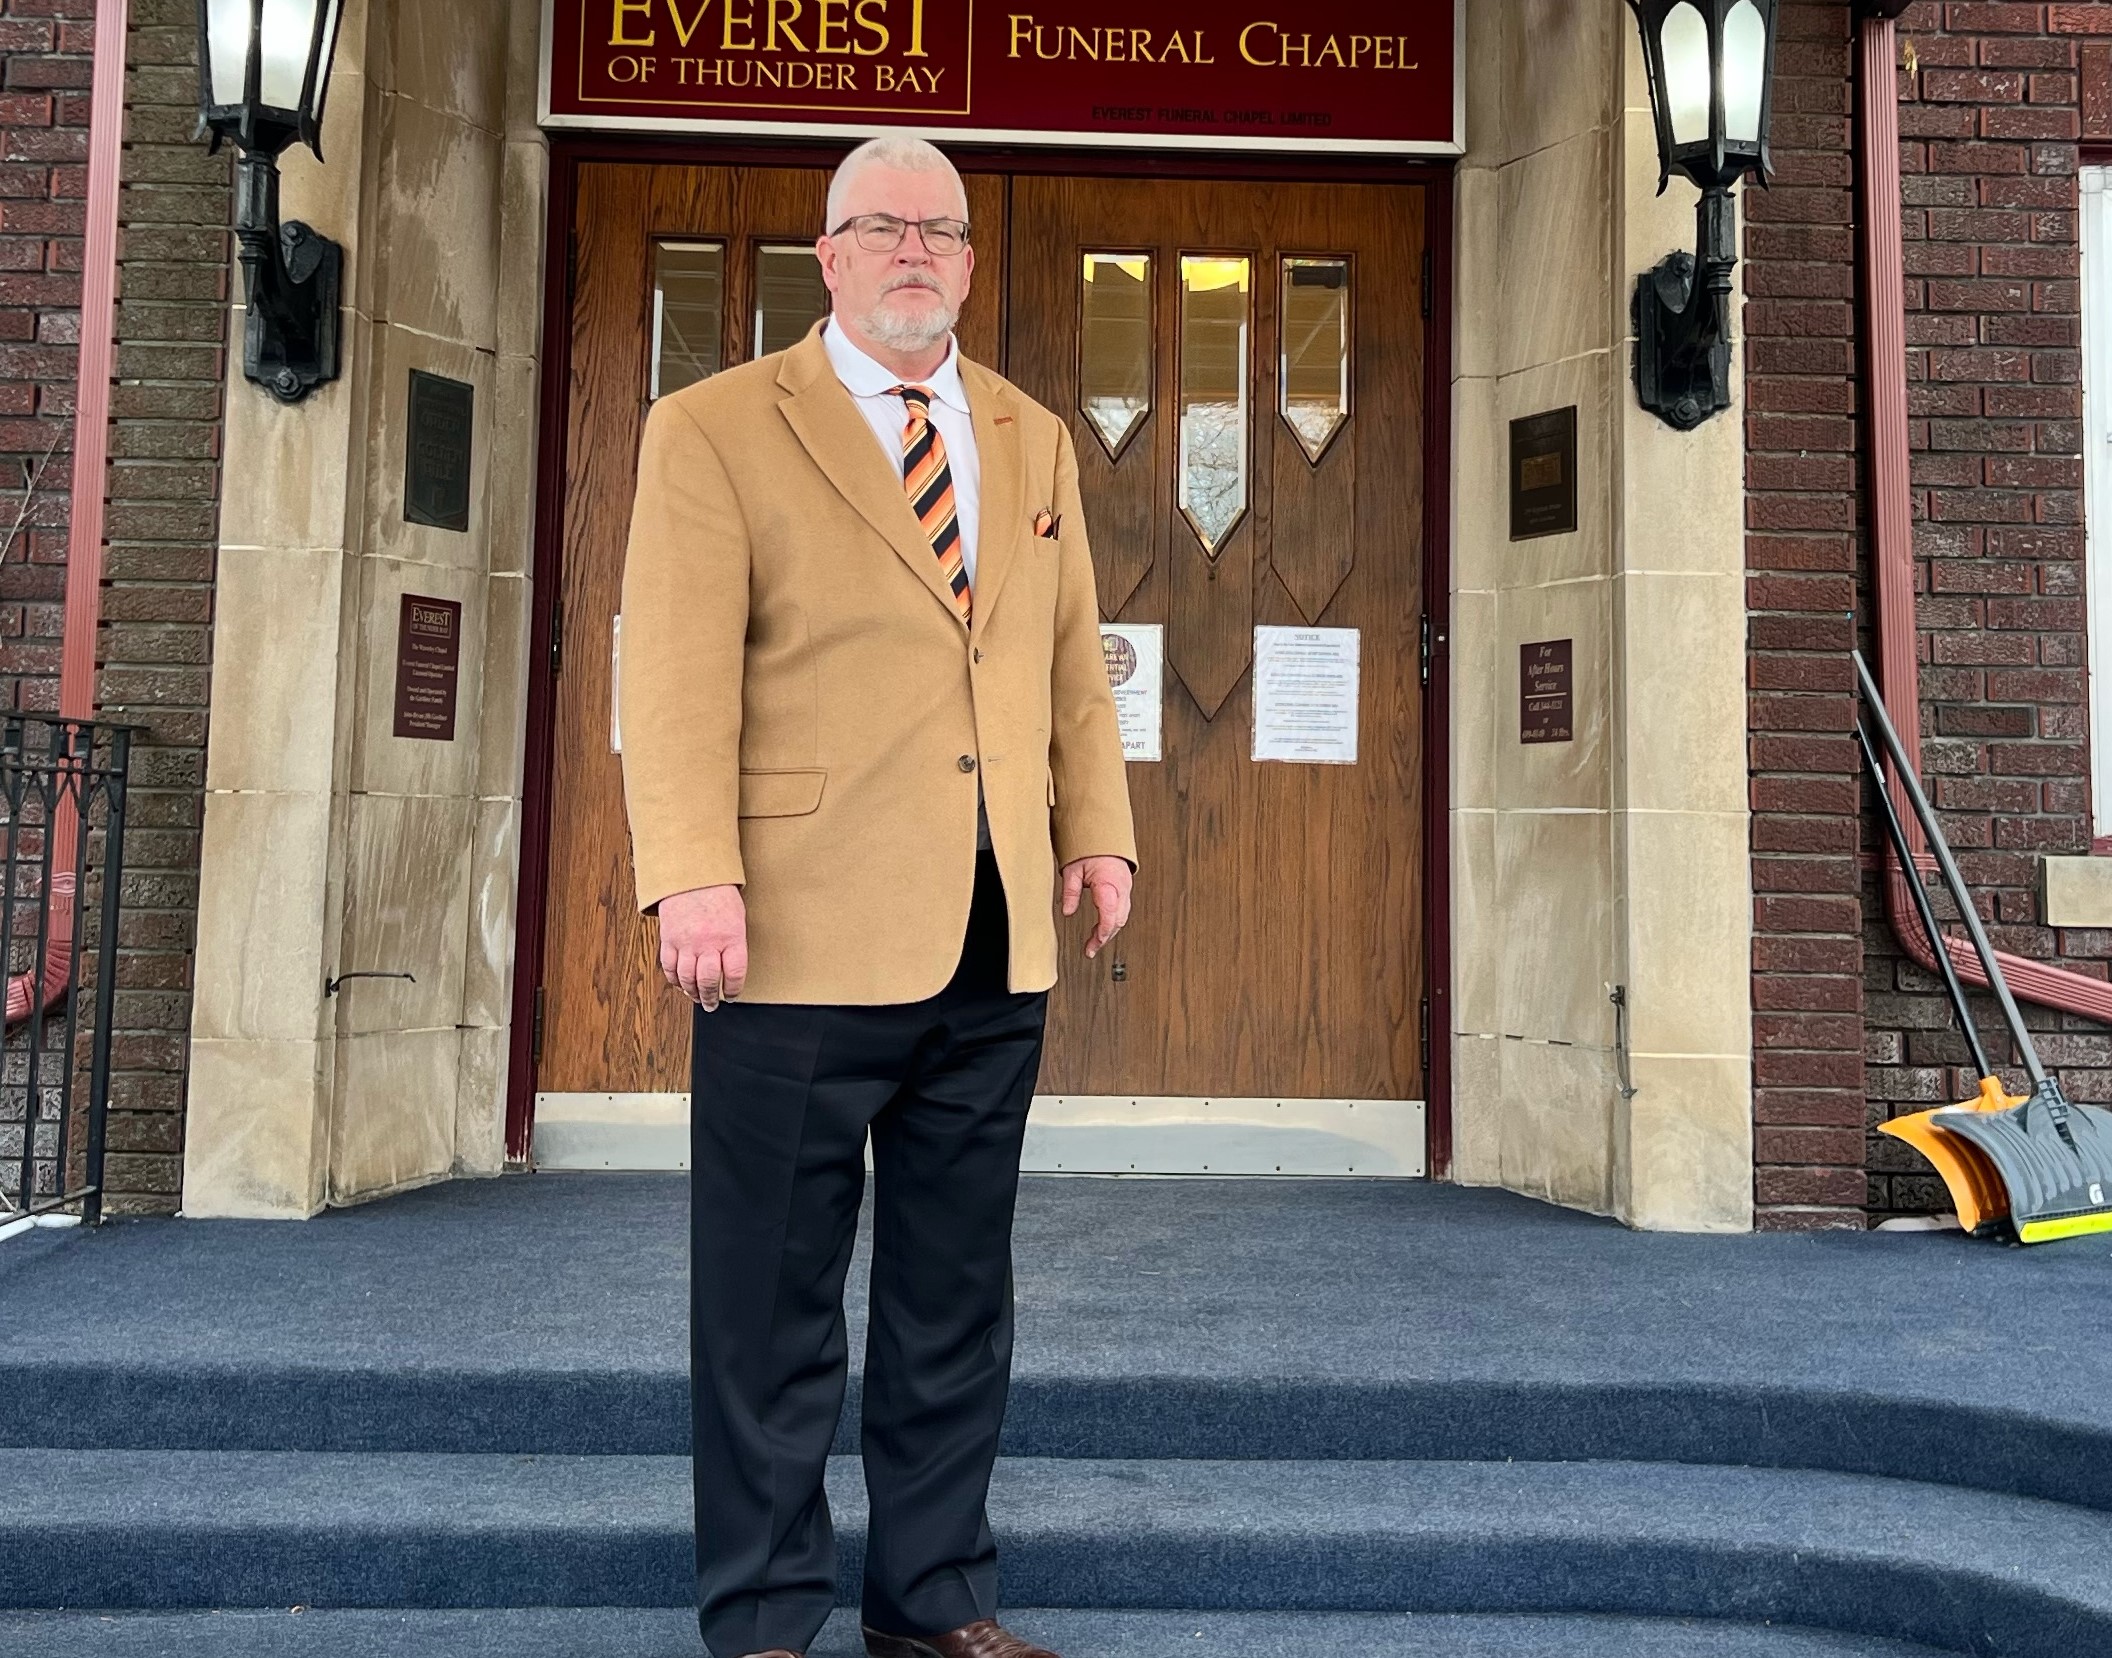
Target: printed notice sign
[[1136, 670], [1305, 695], [1546, 698], [428, 654]]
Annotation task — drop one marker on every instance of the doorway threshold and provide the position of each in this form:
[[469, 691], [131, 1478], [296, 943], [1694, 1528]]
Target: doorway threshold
[[1113, 1134]]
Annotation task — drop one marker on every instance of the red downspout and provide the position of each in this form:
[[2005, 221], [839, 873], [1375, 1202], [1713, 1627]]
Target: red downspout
[[91, 420], [1892, 521], [91, 456]]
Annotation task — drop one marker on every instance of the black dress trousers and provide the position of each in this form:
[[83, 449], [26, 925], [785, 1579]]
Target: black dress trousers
[[783, 1097]]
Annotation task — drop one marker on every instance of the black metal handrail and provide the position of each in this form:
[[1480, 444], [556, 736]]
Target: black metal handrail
[[62, 787]]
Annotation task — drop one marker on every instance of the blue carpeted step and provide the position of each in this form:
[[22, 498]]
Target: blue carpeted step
[[620, 1633], [1951, 1568], [1201, 1319]]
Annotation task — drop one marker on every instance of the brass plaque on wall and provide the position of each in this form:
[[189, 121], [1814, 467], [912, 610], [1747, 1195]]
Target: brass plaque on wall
[[1546, 701], [437, 451], [1544, 474]]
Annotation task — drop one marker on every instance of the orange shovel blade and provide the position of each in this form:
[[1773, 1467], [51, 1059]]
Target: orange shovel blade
[[1975, 1186]]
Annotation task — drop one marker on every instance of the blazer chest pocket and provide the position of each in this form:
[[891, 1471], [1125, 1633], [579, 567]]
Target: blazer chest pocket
[[780, 793]]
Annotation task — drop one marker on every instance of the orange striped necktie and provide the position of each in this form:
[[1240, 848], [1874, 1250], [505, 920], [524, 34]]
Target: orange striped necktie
[[929, 480]]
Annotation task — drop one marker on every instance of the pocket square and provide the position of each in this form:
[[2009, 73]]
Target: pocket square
[[1047, 525]]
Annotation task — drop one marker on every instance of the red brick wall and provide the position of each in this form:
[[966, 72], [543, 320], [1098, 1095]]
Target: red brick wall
[[162, 532], [44, 65], [1803, 542], [1989, 121], [155, 639]]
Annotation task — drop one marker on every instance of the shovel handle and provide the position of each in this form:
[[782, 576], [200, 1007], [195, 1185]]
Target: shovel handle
[[1952, 877], [1896, 832]]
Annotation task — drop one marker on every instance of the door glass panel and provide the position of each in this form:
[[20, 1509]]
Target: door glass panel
[[1213, 436], [1315, 379], [790, 296], [1114, 346], [689, 306]]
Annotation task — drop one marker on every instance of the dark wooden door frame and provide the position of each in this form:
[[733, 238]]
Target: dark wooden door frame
[[569, 152]]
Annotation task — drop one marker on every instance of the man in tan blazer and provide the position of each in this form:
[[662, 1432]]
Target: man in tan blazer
[[867, 734]]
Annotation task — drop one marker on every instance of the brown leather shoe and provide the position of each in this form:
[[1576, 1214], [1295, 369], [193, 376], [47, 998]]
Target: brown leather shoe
[[988, 1639]]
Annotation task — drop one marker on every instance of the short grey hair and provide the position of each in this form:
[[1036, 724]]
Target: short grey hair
[[895, 149]]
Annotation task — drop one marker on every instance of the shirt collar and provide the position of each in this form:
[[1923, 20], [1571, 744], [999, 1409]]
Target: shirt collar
[[862, 376]]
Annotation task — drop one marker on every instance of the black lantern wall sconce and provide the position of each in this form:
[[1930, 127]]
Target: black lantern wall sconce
[[1711, 65], [264, 70]]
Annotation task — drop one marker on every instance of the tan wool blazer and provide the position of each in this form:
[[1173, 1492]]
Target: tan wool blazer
[[805, 714]]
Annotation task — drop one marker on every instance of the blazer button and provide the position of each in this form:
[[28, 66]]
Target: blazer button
[[967, 762]]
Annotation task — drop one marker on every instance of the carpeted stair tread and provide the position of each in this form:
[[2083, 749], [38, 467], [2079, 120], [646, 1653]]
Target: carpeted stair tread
[[1945, 1566], [1200, 1318], [625, 1633]]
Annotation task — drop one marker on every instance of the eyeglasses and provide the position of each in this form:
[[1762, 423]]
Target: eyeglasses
[[883, 233]]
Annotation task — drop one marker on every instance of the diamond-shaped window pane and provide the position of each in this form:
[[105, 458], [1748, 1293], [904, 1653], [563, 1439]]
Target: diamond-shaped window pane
[[1314, 383], [1114, 346], [1215, 305]]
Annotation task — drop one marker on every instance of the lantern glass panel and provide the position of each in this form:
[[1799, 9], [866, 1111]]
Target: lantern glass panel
[[227, 43], [1687, 76], [334, 11], [1744, 67], [288, 32]]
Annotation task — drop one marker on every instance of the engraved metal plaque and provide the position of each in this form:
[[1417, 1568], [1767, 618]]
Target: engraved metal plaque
[[1544, 474], [437, 451], [1546, 702], [428, 661]]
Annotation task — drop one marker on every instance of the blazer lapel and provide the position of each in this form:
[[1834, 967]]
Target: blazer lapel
[[823, 417], [1001, 518]]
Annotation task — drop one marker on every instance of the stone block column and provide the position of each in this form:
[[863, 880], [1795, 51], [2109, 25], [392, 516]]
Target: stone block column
[[331, 845]]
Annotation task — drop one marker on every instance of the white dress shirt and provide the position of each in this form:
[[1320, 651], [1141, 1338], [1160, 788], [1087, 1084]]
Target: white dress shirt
[[871, 387], [868, 382]]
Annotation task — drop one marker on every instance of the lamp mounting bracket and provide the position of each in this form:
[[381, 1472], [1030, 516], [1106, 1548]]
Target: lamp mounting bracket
[[1682, 321], [292, 279]]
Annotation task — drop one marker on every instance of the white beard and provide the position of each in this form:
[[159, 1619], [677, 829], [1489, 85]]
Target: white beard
[[884, 325]]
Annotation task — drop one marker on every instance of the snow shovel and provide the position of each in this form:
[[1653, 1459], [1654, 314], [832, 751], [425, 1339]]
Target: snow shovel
[[2042, 1160]]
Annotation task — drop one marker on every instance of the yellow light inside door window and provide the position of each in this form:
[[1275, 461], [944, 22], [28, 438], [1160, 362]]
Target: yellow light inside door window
[[1115, 346], [1215, 326]]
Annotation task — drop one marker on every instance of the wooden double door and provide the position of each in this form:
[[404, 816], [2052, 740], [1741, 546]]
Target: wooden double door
[[1242, 368]]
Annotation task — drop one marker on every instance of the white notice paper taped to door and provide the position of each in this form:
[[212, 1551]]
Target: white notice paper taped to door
[[1136, 670], [1305, 695]]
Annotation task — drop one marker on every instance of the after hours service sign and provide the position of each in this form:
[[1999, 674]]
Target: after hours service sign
[[1354, 75]]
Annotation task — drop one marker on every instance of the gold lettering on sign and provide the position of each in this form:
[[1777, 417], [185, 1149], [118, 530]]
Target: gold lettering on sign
[[915, 48], [1101, 43], [737, 20], [683, 30], [879, 30], [622, 9], [1267, 46], [791, 10], [823, 23]]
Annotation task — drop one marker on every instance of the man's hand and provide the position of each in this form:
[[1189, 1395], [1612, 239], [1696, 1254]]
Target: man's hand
[[1109, 878], [704, 943]]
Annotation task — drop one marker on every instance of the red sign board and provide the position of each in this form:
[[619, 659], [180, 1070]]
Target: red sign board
[[1355, 75]]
